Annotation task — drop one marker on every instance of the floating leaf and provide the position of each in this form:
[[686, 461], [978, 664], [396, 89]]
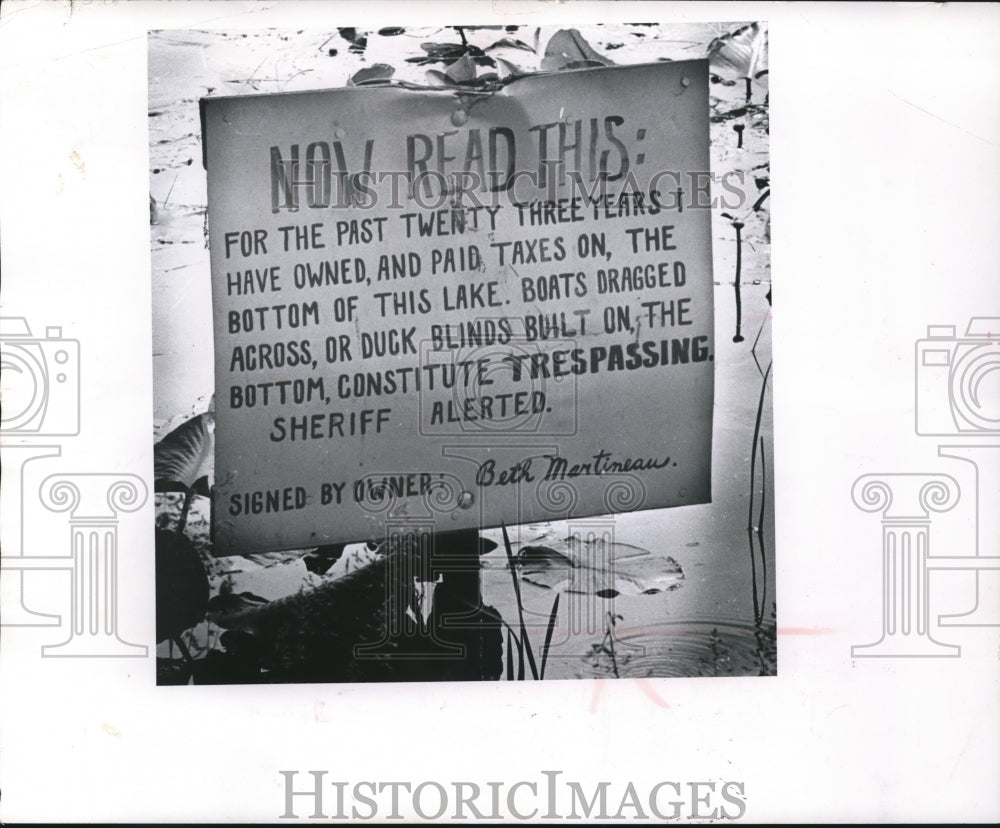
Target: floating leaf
[[584, 64], [596, 567], [267, 559], [505, 68], [319, 561], [437, 78], [443, 49], [567, 48], [357, 39], [462, 70], [376, 73], [720, 80], [509, 43], [391, 31], [449, 53], [738, 112], [743, 51], [185, 459]]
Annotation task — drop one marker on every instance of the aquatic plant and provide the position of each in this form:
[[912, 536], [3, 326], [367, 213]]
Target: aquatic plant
[[522, 641]]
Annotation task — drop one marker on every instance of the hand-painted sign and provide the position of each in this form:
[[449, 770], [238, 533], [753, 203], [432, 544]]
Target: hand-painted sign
[[460, 307]]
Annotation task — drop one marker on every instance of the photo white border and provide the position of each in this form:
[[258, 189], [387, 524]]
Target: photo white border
[[884, 135]]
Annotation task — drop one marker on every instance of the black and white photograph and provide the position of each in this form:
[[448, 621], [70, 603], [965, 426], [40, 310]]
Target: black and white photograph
[[510, 412], [488, 309]]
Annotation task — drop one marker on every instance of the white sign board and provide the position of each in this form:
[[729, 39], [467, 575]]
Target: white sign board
[[460, 307]]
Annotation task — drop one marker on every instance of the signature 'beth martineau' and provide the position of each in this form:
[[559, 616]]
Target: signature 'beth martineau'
[[559, 468]]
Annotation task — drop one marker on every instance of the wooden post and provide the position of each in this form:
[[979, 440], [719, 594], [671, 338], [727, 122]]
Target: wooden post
[[458, 617]]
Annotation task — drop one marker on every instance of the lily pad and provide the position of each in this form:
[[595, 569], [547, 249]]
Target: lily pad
[[597, 567], [185, 459], [743, 52], [376, 73], [568, 49]]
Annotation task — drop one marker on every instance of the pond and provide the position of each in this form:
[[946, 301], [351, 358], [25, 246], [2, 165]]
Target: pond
[[687, 591]]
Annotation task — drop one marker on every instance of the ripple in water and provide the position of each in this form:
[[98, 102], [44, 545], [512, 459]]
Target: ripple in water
[[685, 649]]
